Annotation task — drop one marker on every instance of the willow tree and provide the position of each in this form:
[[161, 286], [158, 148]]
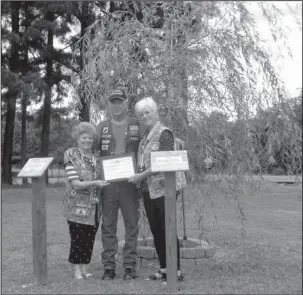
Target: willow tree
[[207, 56]]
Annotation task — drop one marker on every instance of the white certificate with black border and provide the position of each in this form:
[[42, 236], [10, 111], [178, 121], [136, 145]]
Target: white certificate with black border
[[118, 167]]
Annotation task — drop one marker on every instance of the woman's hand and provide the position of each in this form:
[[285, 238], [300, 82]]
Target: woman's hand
[[100, 183], [77, 184], [137, 178]]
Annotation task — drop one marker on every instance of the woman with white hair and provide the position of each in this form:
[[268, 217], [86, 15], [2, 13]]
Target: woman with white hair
[[81, 203], [157, 137]]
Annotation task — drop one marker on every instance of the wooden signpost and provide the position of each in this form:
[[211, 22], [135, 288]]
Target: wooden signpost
[[169, 162], [35, 168]]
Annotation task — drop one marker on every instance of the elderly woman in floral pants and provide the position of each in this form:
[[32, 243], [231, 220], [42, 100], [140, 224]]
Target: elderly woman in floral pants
[[81, 202]]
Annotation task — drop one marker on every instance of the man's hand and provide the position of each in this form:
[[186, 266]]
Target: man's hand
[[100, 183], [137, 178]]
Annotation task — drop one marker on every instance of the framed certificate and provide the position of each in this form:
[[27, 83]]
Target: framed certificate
[[118, 167]]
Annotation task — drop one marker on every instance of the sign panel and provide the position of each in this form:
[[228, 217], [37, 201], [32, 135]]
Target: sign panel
[[35, 167], [169, 161]]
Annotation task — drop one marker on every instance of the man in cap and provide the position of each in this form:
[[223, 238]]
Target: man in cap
[[119, 135]]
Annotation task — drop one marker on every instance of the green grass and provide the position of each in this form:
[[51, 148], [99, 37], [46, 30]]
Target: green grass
[[267, 261]]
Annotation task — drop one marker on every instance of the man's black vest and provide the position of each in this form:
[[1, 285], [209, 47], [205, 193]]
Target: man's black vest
[[107, 142]]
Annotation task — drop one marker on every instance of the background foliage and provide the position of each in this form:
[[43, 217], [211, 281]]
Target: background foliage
[[204, 60]]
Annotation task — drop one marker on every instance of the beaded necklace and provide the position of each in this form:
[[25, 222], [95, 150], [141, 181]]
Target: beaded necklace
[[91, 165], [146, 139]]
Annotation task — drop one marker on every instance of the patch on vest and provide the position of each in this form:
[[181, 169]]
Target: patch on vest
[[106, 136], [80, 211], [161, 183], [155, 146], [105, 130], [134, 138], [134, 130], [105, 141], [134, 127], [104, 147]]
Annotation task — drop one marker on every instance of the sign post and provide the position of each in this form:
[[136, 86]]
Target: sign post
[[36, 168], [170, 162], [171, 230]]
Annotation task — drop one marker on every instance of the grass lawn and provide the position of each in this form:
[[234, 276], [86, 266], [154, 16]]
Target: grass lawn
[[267, 261]]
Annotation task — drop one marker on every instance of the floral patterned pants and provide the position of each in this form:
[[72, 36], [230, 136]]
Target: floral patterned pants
[[82, 242]]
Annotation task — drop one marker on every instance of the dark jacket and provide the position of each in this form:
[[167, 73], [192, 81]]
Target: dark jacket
[[106, 144]]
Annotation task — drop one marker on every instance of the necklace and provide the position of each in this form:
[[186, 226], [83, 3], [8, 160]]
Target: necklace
[[89, 160], [87, 155], [146, 139], [149, 134]]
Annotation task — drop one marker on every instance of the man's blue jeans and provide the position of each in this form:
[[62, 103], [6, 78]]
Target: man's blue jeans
[[125, 196]]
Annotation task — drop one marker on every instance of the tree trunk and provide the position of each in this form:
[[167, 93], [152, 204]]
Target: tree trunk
[[46, 121], [184, 93], [11, 100], [48, 91], [23, 133], [180, 117], [84, 21], [24, 102], [179, 93]]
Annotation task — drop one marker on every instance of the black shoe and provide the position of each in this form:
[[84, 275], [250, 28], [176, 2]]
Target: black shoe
[[158, 276], [130, 273], [109, 274], [180, 278]]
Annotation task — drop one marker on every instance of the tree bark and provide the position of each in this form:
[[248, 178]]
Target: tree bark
[[24, 102], [84, 21], [181, 115], [48, 91], [23, 133], [178, 92], [11, 100]]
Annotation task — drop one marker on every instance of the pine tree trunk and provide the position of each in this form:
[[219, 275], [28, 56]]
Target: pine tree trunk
[[11, 100], [84, 112], [46, 121], [23, 133], [48, 91], [24, 102]]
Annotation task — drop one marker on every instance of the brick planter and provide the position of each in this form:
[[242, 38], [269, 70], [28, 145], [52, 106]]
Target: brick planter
[[190, 249]]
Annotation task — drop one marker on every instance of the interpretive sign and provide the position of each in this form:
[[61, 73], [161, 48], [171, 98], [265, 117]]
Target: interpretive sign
[[35, 167], [118, 167], [167, 161]]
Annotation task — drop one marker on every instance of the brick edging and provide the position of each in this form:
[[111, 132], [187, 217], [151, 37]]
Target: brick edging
[[201, 250]]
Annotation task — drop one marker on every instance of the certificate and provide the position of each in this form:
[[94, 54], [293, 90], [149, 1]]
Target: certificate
[[118, 167]]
